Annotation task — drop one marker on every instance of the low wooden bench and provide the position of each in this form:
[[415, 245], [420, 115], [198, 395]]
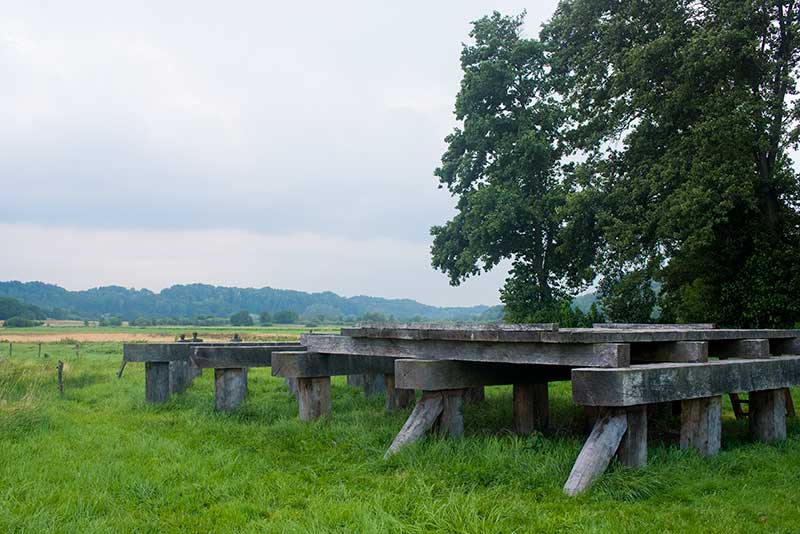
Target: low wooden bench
[[230, 364], [313, 372], [622, 396], [445, 383]]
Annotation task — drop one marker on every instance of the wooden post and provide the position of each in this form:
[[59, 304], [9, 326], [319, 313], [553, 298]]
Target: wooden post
[[373, 384], [598, 450], [633, 447], [475, 395], [291, 385], [10, 348], [60, 368], [396, 398], [121, 369], [314, 397], [77, 350], [229, 388], [40, 350], [355, 381], [178, 376], [701, 421], [768, 415], [422, 418], [451, 420], [531, 407], [156, 381]]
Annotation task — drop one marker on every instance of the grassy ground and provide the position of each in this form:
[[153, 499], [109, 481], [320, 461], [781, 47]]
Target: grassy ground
[[101, 460]]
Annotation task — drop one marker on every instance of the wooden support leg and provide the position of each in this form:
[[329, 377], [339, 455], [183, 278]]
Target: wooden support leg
[[633, 448], [178, 377], [531, 408], [194, 371], [355, 381], [701, 428], [422, 418], [291, 385], [597, 452], [230, 387], [373, 384], [789, 402], [451, 421], [768, 415], [396, 398], [474, 395], [156, 381], [314, 397]]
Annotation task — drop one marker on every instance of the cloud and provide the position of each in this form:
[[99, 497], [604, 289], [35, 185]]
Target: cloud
[[254, 118]]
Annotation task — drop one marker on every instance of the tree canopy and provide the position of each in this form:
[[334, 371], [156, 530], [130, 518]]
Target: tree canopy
[[242, 318], [662, 162]]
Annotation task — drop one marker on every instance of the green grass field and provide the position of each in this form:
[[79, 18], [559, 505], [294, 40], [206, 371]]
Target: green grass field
[[101, 460]]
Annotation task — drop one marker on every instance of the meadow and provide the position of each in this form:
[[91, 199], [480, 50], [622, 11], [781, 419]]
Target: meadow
[[99, 459]]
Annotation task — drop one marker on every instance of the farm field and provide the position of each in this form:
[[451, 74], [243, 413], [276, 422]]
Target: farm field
[[52, 334], [101, 460]]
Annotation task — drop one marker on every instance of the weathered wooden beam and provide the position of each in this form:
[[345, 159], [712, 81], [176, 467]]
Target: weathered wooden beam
[[178, 377], [597, 452], [654, 326], [300, 364], [237, 356], [566, 354], [474, 395], [449, 374], [670, 351], [230, 388], [739, 348], [156, 381], [422, 418], [356, 381], [477, 332], [633, 447], [701, 425], [178, 351], [611, 335], [768, 415], [531, 407], [314, 397], [784, 346], [664, 382]]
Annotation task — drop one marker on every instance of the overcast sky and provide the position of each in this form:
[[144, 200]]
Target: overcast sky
[[284, 144]]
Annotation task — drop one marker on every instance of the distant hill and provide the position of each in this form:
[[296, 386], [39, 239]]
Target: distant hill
[[201, 300], [584, 302]]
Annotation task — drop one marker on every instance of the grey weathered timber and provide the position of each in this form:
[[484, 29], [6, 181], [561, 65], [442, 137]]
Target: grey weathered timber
[[291, 385], [572, 354], [314, 397], [664, 382], [156, 381], [194, 371], [301, 364], [356, 381], [374, 384], [670, 351], [784, 346], [396, 398], [178, 377], [178, 351], [230, 388], [597, 452], [422, 419], [739, 348], [474, 395], [633, 447], [457, 332], [531, 407], [237, 356], [553, 334], [451, 420], [450, 374], [701, 425], [655, 326], [768, 415]]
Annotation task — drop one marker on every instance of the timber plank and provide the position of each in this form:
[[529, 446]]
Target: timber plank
[[237, 356], [302, 364]]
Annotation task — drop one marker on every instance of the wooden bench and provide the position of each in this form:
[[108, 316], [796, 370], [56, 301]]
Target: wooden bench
[[622, 396]]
